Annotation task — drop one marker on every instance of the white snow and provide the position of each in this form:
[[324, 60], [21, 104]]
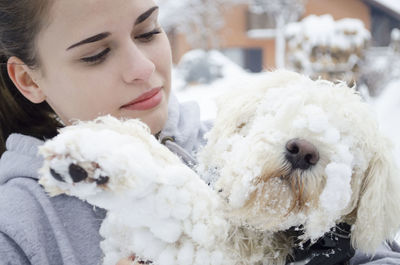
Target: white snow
[[392, 4], [395, 34], [387, 107], [332, 198]]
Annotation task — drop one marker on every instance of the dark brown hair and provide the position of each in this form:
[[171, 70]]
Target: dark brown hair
[[20, 23]]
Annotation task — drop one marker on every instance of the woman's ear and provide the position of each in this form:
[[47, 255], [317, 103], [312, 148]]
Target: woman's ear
[[23, 78]]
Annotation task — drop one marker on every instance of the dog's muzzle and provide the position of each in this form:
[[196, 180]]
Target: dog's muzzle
[[301, 154]]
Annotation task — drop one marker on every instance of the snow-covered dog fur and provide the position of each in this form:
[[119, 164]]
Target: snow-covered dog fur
[[285, 151]]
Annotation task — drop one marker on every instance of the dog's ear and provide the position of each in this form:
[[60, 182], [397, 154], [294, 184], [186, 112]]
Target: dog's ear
[[378, 213]]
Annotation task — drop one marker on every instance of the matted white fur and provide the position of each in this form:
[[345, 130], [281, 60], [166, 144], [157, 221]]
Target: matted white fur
[[160, 210], [354, 181]]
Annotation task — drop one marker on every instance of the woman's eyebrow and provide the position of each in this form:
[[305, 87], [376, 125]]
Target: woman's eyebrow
[[91, 39], [104, 35], [145, 15]]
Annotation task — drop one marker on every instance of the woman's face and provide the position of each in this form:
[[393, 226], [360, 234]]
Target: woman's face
[[102, 57]]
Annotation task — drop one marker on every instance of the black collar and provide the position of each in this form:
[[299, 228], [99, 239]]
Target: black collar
[[334, 248]]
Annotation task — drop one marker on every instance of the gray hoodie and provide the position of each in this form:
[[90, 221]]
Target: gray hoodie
[[38, 230]]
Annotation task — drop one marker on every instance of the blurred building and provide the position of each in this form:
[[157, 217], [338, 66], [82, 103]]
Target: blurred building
[[249, 38]]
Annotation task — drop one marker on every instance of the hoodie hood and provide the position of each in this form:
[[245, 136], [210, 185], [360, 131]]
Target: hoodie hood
[[21, 158], [184, 125]]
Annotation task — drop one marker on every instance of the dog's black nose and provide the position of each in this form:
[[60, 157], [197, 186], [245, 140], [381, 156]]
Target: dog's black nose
[[301, 153]]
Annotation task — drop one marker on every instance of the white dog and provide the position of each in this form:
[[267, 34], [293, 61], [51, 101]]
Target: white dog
[[285, 151]]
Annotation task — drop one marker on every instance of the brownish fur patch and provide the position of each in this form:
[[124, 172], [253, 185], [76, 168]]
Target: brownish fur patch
[[295, 182]]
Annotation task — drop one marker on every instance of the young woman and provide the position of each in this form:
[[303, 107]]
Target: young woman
[[68, 60], [63, 60]]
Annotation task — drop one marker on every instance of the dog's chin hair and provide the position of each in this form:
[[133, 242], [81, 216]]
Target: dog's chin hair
[[296, 180], [264, 198], [302, 193], [247, 240], [306, 187]]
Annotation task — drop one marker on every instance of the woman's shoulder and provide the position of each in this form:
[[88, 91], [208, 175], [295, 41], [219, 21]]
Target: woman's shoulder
[[19, 164], [21, 205], [45, 229], [21, 158]]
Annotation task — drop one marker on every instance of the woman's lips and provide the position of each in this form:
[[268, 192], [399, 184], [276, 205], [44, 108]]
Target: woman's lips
[[147, 100]]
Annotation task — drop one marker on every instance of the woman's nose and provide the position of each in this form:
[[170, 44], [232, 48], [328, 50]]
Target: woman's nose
[[138, 66]]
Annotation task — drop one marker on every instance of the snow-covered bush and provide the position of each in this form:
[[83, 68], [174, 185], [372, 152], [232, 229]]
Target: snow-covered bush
[[197, 66], [321, 47], [204, 67]]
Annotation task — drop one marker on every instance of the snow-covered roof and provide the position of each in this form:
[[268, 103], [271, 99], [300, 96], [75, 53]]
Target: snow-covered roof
[[391, 7]]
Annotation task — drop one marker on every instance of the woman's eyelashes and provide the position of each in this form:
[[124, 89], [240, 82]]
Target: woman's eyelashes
[[148, 36], [96, 58], [101, 56]]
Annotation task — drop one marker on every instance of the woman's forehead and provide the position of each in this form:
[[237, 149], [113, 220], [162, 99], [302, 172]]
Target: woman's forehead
[[66, 13], [73, 20]]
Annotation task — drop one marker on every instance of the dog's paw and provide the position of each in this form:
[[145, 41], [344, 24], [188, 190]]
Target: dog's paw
[[97, 154], [77, 173], [62, 174]]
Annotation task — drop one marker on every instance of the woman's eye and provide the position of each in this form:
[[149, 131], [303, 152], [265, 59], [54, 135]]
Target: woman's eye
[[98, 58], [148, 36]]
